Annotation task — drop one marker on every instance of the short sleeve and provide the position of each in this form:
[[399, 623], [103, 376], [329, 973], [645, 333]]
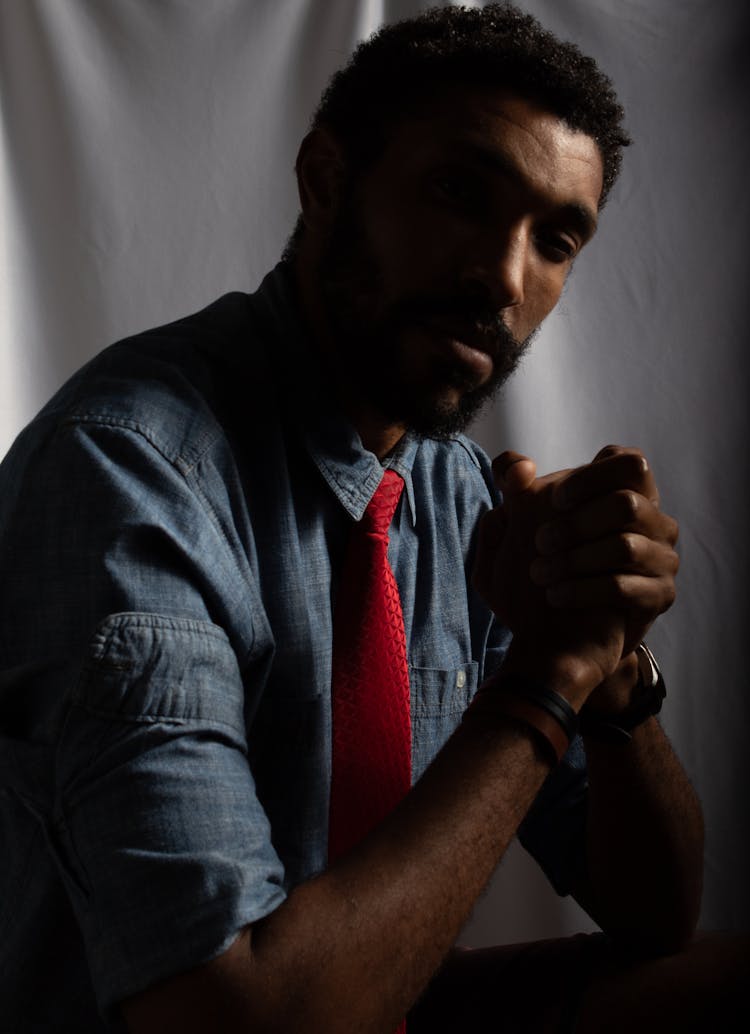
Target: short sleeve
[[554, 830], [162, 844]]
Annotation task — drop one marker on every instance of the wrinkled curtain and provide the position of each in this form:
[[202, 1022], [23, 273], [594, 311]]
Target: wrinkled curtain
[[147, 151]]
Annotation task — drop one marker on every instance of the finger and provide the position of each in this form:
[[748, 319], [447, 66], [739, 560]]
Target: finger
[[620, 511], [609, 450], [613, 468], [617, 554], [622, 592], [513, 472]]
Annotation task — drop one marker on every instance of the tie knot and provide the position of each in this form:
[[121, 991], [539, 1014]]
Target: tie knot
[[382, 506]]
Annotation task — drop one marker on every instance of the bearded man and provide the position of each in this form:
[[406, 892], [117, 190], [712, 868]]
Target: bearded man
[[225, 817]]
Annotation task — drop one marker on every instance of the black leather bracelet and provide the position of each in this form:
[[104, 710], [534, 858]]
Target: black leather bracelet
[[550, 701], [543, 697]]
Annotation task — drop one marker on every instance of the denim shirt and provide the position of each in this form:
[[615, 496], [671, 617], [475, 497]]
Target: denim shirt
[[171, 529]]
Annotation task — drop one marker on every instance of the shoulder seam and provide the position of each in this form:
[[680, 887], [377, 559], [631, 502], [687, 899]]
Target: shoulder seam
[[180, 463]]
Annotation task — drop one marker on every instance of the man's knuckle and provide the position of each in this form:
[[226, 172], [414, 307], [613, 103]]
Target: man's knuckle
[[630, 549], [669, 594], [636, 463], [620, 588], [628, 505], [609, 450]]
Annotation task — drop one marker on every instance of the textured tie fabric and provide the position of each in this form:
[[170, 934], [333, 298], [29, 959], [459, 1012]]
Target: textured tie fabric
[[371, 755]]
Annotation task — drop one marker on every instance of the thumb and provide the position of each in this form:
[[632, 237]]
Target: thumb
[[513, 472]]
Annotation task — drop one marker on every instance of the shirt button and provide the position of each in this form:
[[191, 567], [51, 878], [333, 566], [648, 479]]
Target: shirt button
[[460, 680]]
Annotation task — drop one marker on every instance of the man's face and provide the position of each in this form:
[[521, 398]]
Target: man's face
[[444, 257]]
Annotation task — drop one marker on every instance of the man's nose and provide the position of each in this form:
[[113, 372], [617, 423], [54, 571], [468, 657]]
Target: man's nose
[[499, 271]]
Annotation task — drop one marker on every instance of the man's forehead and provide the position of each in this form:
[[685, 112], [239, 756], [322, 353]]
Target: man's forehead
[[506, 134], [494, 116]]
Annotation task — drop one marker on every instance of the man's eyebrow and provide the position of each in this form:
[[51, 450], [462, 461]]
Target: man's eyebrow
[[579, 216]]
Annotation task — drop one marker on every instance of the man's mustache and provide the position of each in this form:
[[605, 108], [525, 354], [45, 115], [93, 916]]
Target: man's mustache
[[476, 319]]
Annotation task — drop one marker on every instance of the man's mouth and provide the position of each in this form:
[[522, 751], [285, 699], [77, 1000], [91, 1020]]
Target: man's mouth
[[465, 345]]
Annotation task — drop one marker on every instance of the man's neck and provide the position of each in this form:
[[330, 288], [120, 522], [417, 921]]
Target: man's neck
[[378, 434]]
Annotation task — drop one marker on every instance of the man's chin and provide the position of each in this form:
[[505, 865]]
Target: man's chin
[[448, 399], [447, 414]]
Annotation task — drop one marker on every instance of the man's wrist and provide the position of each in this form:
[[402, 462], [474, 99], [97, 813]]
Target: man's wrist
[[602, 719], [573, 676], [617, 692], [546, 713], [541, 692]]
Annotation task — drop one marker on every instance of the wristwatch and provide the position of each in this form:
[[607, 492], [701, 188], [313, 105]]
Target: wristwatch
[[617, 728]]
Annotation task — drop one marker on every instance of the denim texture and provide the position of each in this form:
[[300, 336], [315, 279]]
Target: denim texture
[[171, 526]]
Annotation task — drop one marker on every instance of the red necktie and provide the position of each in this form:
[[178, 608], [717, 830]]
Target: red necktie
[[371, 751]]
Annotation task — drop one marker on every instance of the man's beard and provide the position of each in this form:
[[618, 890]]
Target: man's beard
[[366, 335]]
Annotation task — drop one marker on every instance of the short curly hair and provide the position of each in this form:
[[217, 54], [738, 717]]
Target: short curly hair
[[497, 46]]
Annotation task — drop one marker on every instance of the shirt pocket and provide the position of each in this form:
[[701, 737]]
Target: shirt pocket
[[439, 697]]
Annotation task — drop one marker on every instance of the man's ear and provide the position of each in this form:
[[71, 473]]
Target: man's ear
[[321, 172]]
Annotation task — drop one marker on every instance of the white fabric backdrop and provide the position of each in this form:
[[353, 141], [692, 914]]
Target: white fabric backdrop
[[146, 167]]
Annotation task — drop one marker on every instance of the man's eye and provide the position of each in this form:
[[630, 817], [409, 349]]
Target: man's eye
[[557, 247]]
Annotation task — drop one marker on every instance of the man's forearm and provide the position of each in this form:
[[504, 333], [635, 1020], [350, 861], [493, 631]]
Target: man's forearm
[[644, 841], [384, 917], [353, 948]]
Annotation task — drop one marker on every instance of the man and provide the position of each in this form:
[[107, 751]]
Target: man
[[175, 526]]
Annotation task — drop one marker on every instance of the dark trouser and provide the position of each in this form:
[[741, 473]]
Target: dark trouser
[[587, 985], [533, 988]]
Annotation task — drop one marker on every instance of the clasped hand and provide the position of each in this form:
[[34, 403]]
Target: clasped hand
[[579, 562]]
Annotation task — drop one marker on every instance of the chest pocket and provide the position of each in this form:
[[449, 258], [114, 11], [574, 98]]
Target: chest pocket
[[439, 697]]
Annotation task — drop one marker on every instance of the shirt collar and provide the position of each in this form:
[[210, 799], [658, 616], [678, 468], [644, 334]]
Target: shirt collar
[[351, 471]]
